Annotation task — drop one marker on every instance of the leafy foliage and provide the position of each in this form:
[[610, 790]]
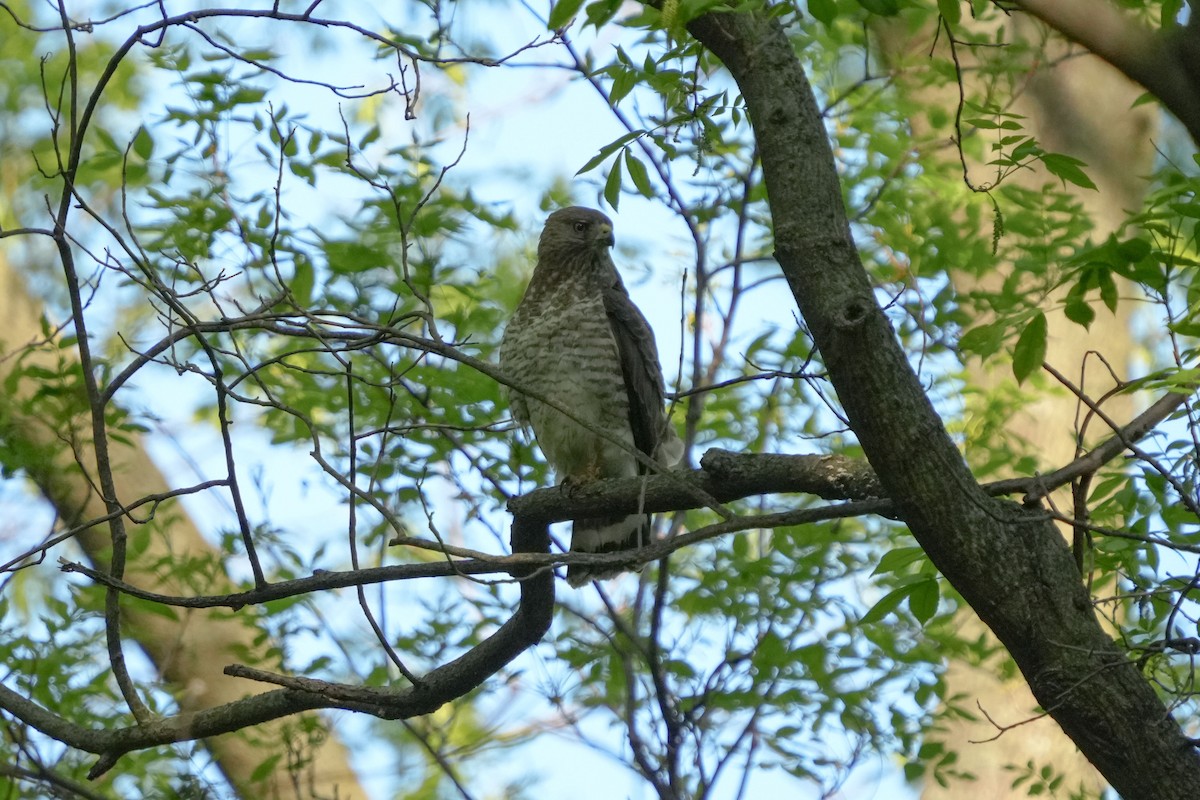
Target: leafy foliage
[[307, 269]]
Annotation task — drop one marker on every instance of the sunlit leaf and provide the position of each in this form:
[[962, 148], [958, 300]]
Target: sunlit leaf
[[1068, 168], [612, 186], [638, 174], [562, 13], [951, 10], [1030, 351]]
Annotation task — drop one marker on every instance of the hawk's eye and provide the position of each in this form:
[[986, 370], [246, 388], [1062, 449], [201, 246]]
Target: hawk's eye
[[580, 227]]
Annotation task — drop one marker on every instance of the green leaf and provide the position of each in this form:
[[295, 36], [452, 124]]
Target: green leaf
[[624, 81], [370, 136], [884, 8], [1191, 209], [691, 9], [612, 187], [824, 11], [562, 14], [1169, 13], [1134, 249], [1143, 99], [639, 174], [607, 151], [104, 160], [983, 340], [1030, 351], [107, 139], [143, 144], [1069, 169], [602, 11], [1185, 327], [1025, 149], [264, 769], [247, 95], [923, 601], [740, 548], [771, 649], [951, 11], [302, 282], [983, 123], [1108, 290], [888, 603], [1079, 311], [897, 559]]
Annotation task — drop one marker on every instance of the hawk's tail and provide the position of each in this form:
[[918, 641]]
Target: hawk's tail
[[605, 535]]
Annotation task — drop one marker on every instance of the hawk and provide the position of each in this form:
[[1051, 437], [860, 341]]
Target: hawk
[[577, 340]]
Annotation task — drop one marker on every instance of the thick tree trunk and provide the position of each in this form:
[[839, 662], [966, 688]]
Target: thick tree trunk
[[190, 651]]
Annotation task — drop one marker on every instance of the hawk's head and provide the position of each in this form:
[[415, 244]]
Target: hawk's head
[[575, 230]]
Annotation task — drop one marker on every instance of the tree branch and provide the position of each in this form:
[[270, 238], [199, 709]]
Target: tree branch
[[437, 687], [724, 476], [1166, 63]]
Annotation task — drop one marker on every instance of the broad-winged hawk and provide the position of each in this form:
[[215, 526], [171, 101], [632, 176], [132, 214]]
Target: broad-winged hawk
[[577, 340]]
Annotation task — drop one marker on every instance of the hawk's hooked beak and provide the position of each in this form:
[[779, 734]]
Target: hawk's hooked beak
[[604, 234]]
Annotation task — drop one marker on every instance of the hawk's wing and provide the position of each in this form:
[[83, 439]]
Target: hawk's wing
[[639, 366]]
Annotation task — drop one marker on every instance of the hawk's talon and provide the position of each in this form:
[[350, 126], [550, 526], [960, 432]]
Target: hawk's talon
[[570, 484]]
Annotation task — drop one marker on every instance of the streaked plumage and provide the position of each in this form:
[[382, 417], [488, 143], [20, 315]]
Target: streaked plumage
[[578, 340]]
